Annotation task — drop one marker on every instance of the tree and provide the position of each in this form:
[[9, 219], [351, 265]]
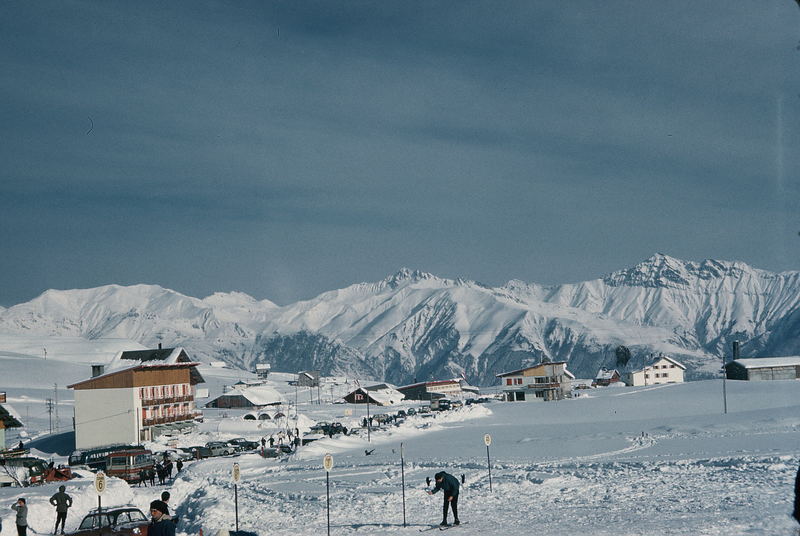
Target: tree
[[623, 355]]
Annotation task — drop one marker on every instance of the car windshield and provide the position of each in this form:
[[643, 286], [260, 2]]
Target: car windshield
[[94, 521]]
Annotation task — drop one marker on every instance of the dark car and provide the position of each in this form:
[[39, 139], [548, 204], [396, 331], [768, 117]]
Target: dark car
[[127, 520], [241, 444]]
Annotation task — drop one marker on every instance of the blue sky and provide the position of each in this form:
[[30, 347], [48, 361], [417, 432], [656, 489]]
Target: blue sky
[[287, 148]]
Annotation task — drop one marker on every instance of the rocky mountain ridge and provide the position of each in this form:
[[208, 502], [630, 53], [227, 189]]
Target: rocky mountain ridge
[[414, 325]]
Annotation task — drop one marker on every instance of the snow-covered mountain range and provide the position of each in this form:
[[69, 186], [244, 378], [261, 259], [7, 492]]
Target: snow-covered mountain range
[[414, 325]]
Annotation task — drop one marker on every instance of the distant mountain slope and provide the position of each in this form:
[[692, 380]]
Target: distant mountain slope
[[414, 325]]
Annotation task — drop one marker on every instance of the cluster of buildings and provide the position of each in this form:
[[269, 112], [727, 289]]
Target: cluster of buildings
[[142, 394]]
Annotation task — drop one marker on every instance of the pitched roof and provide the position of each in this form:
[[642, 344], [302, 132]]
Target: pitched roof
[[513, 372], [9, 417], [768, 362], [258, 395], [155, 366], [128, 359], [606, 374]]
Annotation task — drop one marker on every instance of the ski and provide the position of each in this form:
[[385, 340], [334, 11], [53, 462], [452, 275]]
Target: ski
[[452, 526]]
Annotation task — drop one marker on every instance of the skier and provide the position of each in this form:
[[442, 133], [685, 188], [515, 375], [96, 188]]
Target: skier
[[62, 502], [449, 486], [22, 516], [179, 465], [271, 441], [160, 524]]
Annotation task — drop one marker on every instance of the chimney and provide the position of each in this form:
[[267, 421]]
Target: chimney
[[735, 350], [98, 370], [159, 346]]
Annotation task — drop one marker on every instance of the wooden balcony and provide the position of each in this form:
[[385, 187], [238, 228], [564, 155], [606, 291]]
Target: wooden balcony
[[166, 400]]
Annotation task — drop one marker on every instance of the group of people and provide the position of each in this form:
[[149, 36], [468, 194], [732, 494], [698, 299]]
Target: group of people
[[60, 500], [162, 470], [291, 438], [161, 522]]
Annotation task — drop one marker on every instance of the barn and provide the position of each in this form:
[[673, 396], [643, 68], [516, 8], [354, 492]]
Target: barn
[[764, 368]]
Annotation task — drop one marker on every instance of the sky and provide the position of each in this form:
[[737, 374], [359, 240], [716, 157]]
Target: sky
[[286, 148]]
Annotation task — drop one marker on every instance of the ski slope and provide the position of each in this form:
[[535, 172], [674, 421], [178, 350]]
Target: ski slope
[[616, 461]]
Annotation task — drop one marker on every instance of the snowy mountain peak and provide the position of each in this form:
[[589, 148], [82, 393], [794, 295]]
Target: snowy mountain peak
[[406, 275], [663, 271]]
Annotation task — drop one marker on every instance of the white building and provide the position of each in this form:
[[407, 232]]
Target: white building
[[662, 370], [134, 403], [545, 381]]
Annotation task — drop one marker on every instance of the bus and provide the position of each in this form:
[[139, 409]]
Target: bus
[[128, 464]]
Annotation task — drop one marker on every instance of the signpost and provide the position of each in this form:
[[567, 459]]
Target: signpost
[[488, 440], [100, 488], [237, 475], [327, 463], [403, 476]]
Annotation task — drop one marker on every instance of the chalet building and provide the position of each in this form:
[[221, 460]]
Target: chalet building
[[144, 395], [308, 378], [8, 419], [764, 368], [663, 369], [545, 381], [606, 377], [249, 397], [456, 388], [381, 394], [263, 370]]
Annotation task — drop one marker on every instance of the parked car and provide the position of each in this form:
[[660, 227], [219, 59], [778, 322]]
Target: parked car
[[401, 413], [173, 455], [320, 428], [219, 448], [241, 444], [411, 411], [380, 418], [199, 452], [127, 520], [424, 409], [441, 404], [455, 404]]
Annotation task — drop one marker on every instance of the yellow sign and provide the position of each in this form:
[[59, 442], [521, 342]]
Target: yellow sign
[[236, 473], [327, 462], [100, 483], [487, 439]]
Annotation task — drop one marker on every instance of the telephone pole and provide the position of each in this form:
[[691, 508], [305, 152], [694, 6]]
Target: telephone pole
[[49, 402], [58, 421]]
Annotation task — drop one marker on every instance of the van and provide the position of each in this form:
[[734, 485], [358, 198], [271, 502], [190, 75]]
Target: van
[[127, 464], [440, 404]]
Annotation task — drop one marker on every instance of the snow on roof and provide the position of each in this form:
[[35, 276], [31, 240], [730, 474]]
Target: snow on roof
[[605, 374], [513, 372], [260, 395], [767, 362]]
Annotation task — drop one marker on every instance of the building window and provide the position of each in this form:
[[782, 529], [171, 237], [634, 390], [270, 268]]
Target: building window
[[518, 381], [509, 381]]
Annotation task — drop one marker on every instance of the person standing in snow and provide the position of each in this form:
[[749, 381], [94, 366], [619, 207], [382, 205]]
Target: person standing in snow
[[449, 486], [62, 502], [796, 513], [22, 516], [160, 523]]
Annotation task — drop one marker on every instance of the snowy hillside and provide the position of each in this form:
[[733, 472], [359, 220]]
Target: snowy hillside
[[416, 325]]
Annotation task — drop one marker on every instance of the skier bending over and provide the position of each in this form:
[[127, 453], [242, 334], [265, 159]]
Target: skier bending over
[[449, 485]]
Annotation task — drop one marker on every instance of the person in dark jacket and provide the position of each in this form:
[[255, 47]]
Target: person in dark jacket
[[63, 503], [160, 524], [796, 513], [22, 516], [449, 486]]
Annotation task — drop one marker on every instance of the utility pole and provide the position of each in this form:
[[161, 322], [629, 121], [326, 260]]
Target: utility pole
[[49, 403], [45, 353], [58, 421]]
